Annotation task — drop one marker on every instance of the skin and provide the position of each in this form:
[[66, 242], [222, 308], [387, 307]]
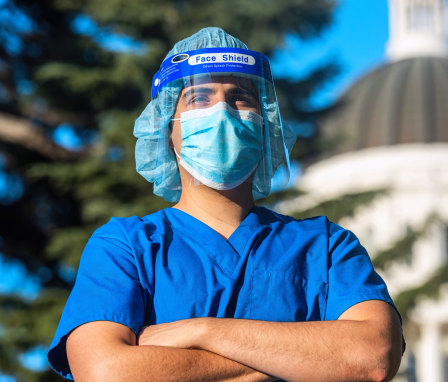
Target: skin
[[354, 348], [364, 344]]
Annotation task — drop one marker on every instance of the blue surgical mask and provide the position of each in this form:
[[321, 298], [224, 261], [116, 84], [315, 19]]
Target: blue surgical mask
[[221, 146]]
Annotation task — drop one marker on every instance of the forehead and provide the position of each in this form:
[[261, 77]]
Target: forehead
[[218, 81]]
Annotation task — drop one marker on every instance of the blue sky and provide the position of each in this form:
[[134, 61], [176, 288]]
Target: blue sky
[[356, 39]]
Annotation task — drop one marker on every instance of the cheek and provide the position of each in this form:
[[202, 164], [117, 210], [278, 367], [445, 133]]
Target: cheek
[[176, 138]]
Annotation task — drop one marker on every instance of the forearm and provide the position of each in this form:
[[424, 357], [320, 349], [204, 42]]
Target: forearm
[[363, 345], [157, 363], [117, 358], [308, 351]]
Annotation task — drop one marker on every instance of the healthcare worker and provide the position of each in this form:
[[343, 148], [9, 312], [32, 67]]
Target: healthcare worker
[[215, 288]]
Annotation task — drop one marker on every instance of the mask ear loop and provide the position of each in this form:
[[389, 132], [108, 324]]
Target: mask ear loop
[[175, 153]]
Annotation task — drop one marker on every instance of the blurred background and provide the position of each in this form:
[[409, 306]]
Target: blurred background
[[364, 84]]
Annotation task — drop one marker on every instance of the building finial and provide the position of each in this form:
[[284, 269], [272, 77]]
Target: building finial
[[417, 28]]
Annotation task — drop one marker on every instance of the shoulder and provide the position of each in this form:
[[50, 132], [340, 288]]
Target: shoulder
[[129, 234], [124, 227], [313, 228], [319, 224]]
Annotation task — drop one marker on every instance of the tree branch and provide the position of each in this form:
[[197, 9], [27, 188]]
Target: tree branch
[[21, 132]]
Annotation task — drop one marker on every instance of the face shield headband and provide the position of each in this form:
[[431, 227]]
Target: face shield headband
[[211, 60]]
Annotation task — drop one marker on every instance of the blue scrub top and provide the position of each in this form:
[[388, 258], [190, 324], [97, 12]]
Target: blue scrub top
[[169, 266]]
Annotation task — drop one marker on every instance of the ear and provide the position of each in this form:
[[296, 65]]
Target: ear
[[170, 141]]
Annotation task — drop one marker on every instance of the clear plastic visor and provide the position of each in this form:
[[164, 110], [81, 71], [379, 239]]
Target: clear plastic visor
[[218, 131]]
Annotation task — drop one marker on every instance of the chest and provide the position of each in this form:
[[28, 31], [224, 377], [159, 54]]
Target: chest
[[266, 278]]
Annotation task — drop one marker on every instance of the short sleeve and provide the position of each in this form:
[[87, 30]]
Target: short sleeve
[[107, 288], [351, 277]]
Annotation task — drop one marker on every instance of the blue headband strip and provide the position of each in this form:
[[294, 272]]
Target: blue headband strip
[[211, 60]]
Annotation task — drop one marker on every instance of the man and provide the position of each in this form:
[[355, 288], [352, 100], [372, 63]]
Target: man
[[214, 288]]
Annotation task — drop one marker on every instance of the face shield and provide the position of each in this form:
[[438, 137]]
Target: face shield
[[223, 126]]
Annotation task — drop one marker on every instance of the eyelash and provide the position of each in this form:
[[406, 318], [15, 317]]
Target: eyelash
[[236, 98], [200, 98], [243, 97]]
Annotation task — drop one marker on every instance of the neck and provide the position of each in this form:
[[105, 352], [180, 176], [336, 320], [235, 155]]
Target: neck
[[223, 211]]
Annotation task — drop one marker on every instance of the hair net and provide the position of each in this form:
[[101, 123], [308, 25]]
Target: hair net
[[156, 162]]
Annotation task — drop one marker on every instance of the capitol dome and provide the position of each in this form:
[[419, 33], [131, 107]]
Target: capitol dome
[[400, 102], [404, 101]]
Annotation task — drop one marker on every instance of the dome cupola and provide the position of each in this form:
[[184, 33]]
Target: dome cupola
[[405, 100], [417, 28]]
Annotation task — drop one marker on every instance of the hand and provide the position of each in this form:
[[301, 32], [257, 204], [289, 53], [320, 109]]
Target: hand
[[180, 334]]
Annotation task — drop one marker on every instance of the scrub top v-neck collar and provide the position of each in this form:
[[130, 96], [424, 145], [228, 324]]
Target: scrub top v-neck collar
[[228, 252]]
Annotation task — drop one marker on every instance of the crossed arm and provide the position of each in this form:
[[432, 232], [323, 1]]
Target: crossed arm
[[363, 344]]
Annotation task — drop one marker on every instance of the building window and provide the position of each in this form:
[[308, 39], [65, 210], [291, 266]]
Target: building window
[[445, 239], [421, 17], [411, 375], [445, 367]]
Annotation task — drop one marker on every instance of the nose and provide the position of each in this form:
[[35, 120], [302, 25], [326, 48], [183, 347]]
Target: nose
[[220, 96]]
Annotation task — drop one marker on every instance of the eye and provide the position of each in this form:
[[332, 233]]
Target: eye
[[197, 100], [244, 99]]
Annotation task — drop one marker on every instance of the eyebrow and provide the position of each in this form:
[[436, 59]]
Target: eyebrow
[[194, 90], [207, 90]]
